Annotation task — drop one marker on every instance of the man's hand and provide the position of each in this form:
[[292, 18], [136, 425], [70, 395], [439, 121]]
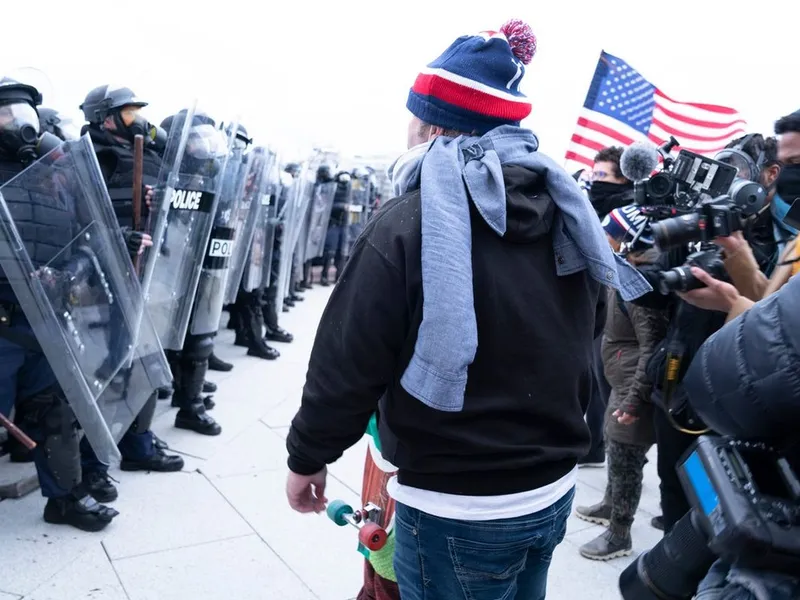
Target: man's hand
[[148, 195], [306, 493], [624, 418], [147, 241], [717, 295], [731, 244]]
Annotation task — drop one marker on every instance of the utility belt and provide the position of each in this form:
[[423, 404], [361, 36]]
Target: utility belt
[[8, 314]]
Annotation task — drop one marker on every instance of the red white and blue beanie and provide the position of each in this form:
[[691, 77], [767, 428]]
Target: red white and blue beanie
[[621, 224], [474, 84]]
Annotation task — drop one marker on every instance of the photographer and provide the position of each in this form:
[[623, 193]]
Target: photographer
[[691, 325], [749, 284], [754, 399]]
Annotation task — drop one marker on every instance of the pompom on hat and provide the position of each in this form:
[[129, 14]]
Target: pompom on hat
[[474, 85]]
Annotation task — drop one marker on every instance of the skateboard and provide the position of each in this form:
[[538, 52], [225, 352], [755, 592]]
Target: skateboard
[[375, 518]]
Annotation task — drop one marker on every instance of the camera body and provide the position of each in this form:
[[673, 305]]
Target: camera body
[[695, 199], [680, 279], [747, 498]]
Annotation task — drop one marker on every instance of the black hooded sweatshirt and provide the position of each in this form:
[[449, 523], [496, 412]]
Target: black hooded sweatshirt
[[522, 426]]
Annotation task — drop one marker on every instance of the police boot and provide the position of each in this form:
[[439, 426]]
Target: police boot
[[209, 387], [327, 263], [242, 328], [83, 513], [215, 364], [340, 262], [308, 275], [192, 414], [233, 320], [256, 346], [277, 334]]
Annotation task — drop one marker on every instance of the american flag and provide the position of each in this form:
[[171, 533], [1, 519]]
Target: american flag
[[622, 107]]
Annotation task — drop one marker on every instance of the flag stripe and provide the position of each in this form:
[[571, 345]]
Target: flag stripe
[[697, 122]]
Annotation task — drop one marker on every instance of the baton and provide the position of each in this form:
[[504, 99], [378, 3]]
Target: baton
[[17, 433]]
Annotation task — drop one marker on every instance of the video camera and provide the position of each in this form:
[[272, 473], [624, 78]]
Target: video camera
[[746, 498], [693, 199]]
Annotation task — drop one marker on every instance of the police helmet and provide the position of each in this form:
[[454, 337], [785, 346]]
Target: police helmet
[[12, 91], [199, 118], [360, 173], [52, 121], [343, 177], [293, 169], [325, 173], [102, 100]]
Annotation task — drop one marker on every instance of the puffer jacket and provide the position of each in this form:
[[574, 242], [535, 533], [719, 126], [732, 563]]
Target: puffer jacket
[[632, 332], [745, 379]]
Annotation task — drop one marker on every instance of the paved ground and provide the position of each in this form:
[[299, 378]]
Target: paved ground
[[222, 529]]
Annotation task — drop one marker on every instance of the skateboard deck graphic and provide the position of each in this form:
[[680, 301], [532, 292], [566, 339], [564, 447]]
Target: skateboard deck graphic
[[375, 518]]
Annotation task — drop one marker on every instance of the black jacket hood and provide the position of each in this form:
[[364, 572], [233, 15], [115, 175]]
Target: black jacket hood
[[529, 208]]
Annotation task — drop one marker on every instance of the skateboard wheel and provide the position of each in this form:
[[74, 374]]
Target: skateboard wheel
[[373, 536], [337, 510]]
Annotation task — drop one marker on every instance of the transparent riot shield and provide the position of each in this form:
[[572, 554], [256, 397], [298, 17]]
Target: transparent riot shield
[[258, 266], [63, 254], [359, 207], [295, 221], [211, 289], [182, 214], [319, 216], [254, 202]]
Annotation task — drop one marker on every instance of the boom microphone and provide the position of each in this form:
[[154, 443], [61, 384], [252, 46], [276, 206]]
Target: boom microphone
[[638, 161]]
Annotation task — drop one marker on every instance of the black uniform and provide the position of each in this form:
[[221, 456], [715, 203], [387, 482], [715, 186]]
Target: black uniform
[[26, 378], [116, 158]]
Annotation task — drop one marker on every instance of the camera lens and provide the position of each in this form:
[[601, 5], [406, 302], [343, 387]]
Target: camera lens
[[660, 186], [674, 280], [673, 568], [679, 230]]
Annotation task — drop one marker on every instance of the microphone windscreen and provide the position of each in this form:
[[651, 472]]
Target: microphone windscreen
[[638, 161]]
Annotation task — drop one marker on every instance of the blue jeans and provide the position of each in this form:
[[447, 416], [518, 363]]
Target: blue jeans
[[506, 559]]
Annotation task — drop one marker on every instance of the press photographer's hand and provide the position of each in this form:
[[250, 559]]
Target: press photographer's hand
[[717, 295], [732, 244]]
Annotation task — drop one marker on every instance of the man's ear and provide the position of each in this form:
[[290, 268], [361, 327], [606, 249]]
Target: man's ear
[[770, 175]]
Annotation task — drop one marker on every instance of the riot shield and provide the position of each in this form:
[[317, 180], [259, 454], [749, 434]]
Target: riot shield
[[83, 302], [183, 211], [211, 288], [254, 202], [319, 216], [295, 220], [359, 206], [258, 266]]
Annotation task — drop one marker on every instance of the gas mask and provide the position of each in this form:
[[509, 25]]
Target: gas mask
[[154, 136], [205, 150], [19, 133]]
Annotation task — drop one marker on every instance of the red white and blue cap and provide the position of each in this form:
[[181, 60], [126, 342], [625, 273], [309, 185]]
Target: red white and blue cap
[[621, 224], [474, 84]]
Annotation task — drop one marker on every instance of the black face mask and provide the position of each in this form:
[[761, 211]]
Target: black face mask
[[788, 184], [601, 190]]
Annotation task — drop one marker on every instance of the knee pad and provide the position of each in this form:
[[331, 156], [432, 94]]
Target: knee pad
[[197, 347], [59, 431]]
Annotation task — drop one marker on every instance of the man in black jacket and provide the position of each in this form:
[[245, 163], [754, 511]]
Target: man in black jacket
[[493, 463]]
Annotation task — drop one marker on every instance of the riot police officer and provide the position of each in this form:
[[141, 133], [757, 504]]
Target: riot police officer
[[190, 365], [270, 302], [54, 122], [113, 117], [337, 239], [26, 378]]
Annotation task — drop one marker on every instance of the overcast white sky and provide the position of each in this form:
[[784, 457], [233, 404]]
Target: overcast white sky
[[337, 73]]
